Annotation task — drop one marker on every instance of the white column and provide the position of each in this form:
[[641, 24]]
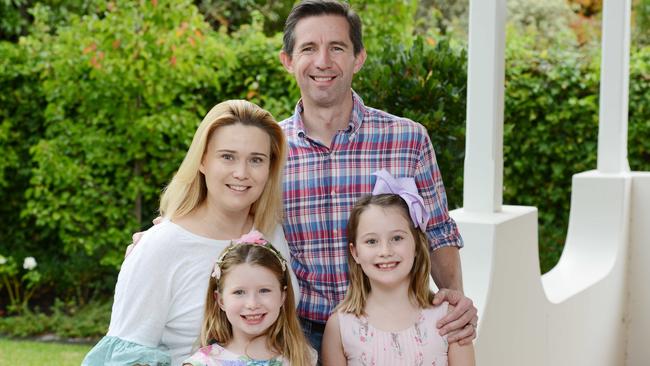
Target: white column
[[614, 78], [483, 178]]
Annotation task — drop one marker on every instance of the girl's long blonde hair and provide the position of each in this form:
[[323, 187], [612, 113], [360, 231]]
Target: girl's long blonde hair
[[187, 189], [359, 287], [285, 335]]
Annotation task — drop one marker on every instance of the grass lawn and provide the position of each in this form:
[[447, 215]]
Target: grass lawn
[[13, 352]]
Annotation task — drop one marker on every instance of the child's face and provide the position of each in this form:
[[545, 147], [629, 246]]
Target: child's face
[[385, 247], [251, 299]]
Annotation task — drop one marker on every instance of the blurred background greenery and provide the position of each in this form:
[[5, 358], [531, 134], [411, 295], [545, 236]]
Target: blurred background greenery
[[99, 101]]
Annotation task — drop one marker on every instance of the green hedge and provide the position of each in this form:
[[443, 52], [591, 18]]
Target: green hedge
[[66, 321]]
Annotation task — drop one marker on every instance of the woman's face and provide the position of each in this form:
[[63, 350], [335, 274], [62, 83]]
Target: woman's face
[[236, 166]]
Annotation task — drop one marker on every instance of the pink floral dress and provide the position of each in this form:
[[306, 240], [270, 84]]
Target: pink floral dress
[[418, 345]]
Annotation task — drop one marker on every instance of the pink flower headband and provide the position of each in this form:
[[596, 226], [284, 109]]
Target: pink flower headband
[[252, 238], [405, 188]]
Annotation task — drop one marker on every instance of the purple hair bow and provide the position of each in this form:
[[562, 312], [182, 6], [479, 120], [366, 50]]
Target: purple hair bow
[[405, 188]]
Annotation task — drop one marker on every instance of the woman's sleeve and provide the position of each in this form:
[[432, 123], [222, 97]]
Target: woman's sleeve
[[141, 305], [280, 243], [114, 351]]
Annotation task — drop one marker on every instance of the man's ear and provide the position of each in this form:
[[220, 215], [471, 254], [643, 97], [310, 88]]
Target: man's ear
[[287, 61], [359, 60]]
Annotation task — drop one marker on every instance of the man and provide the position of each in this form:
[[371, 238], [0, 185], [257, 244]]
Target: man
[[335, 144]]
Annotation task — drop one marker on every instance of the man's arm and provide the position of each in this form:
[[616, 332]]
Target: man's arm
[[459, 324], [445, 268]]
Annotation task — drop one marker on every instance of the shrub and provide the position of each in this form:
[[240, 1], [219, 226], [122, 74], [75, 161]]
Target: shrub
[[65, 321]]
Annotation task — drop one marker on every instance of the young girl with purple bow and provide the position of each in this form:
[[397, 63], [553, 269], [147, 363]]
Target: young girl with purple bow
[[386, 317]]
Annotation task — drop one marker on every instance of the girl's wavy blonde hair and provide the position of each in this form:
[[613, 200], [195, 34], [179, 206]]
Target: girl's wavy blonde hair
[[187, 189], [285, 335], [359, 287]]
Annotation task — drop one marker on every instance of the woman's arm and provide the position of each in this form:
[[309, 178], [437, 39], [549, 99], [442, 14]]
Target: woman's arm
[[143, 293], [140, 307], [332, 348]]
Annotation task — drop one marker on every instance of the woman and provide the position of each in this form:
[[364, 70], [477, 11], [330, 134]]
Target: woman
[[228, 184]]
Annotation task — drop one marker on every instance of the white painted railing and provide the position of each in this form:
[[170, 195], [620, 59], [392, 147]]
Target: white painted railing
[[592, 308]]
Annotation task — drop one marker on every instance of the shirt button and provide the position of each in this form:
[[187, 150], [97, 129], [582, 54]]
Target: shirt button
[[335, 231], [333, 192]]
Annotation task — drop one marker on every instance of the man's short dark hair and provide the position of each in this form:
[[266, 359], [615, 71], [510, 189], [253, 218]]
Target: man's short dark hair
[[310, 8]]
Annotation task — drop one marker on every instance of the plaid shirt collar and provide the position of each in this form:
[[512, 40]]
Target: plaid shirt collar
[[356, 117]]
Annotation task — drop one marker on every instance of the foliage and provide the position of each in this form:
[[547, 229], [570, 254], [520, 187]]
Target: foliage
[[69, 320], [548, 18], [379, 28], [550, 133], [17, 18], [233, 14], [445, 17], [554, 23], [14, 18], [641, 22], [21, 123], [66, 321], [638, 146], [431, 90], [19, 287], [259, 76]]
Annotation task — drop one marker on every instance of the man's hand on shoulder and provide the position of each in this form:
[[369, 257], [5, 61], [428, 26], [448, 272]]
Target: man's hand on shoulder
[[137, 236], [459, 324]]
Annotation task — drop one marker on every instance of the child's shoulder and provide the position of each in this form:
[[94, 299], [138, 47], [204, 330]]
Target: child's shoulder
[[438, 311], [343, 317]]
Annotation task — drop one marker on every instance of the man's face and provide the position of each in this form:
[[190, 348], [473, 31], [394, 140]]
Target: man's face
[[323, 60]]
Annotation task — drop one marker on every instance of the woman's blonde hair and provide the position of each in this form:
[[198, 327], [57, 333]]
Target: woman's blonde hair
[[187, 189], [285, 335], [359, 284]]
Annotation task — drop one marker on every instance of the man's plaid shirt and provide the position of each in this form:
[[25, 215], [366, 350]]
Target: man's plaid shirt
[[322, 184]]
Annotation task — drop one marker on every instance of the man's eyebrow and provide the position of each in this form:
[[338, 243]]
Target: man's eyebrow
[[339, 43], [333, 43], [305, 44]]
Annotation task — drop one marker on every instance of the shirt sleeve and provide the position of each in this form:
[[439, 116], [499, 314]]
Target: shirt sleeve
[[441, 229], [143, 291], [280, 243], [113, 351]]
